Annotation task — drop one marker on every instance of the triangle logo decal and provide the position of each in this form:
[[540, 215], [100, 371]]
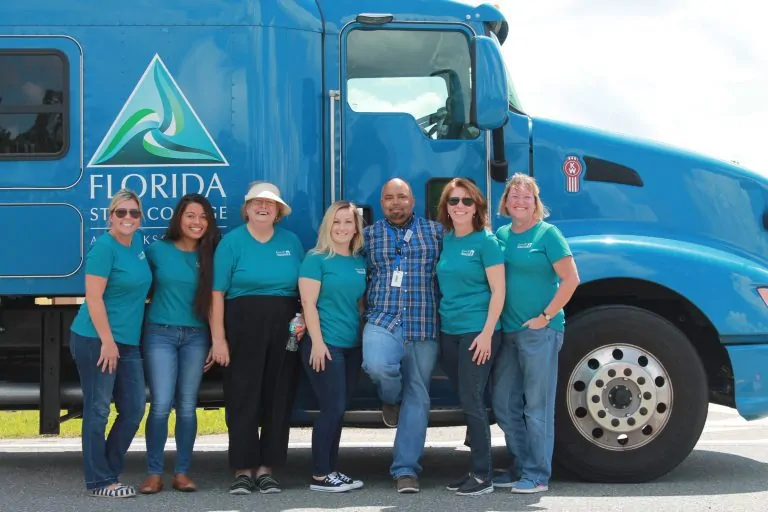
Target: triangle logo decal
[[157, 127]]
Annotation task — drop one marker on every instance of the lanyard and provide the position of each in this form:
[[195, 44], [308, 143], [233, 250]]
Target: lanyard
[[400, 243]]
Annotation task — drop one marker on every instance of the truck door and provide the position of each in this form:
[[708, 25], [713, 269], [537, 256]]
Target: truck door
[[404, 108], [40, 163]]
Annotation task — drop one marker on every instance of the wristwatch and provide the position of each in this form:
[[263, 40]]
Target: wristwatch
[[546, 316]]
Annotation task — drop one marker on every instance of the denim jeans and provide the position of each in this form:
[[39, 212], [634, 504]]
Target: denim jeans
[[174, 358], [103, 460], [524, 385], [471, 379], [333, 388], [401, 370]]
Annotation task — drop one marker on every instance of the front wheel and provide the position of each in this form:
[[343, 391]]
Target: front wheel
[[632, 396]]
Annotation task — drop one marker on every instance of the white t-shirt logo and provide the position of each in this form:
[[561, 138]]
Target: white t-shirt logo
[[468, 252], [283, 253]]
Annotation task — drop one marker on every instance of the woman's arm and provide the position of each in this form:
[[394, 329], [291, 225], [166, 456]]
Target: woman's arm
[[310, 291], [219, 347], [482, 344], [94, 299], [565, 268]]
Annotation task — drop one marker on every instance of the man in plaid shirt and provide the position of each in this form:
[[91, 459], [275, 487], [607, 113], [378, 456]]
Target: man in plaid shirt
[[400, 337]]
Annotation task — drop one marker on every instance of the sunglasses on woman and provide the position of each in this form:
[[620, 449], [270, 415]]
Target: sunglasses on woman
[[466, 201], [133, 212]]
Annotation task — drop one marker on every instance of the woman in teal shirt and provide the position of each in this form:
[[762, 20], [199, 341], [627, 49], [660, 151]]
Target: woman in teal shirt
[[104, 343], [541, 278], [470, 272], [176, 335], [332, 283], [256, 274]]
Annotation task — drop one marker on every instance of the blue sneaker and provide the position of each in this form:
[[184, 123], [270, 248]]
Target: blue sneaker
[[504, 480], [526, 486]]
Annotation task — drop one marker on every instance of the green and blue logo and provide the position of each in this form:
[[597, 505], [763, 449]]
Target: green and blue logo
[[157, 127]]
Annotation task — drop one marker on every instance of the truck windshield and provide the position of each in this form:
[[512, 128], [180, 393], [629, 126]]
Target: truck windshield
[[514, 99]]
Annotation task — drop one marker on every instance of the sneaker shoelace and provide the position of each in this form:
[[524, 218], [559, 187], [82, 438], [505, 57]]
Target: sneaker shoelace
[[344, 478], [334, 479]]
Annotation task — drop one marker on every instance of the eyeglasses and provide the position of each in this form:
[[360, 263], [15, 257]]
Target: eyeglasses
[[122, 212], [466, 201]]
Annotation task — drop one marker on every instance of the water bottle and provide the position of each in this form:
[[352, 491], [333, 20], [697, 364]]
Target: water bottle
[[293, 341]]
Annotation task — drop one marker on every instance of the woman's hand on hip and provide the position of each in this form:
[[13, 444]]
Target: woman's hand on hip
[[318, 355]]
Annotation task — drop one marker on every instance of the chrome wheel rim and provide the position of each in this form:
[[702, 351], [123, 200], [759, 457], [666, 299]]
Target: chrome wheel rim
[[619, 397]]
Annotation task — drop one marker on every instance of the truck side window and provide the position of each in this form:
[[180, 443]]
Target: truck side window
[[33, 104], [424, 73]]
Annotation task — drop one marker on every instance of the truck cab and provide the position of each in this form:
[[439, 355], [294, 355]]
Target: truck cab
[[328, 100]]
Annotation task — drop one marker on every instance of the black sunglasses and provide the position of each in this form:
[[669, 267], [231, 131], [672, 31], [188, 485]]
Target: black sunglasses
[[122, 212], [466, 201]]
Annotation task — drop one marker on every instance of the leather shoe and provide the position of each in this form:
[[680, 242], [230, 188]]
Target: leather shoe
[[183, 483], [152, 485]]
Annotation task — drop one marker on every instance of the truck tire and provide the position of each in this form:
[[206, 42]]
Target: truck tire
[[632, 396]]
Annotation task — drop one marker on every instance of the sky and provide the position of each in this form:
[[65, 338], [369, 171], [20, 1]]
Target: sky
[[690, 73]]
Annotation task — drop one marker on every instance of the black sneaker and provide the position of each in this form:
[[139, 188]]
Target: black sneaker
[[267, 484], [331, 483], [353, 484], [473, 487], [243, 484], [455, 486]]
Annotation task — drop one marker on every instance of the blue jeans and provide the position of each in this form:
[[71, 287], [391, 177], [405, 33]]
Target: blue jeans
[[333, 388], [524, 385], [471, 379], [103, 460], [401, 370], [174, 358]]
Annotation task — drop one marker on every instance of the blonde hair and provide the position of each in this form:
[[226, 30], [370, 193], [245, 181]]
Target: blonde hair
[[124, 194], [520, 180], [324, 239]]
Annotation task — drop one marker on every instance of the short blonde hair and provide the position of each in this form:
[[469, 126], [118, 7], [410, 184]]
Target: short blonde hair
[[324, 239], [124, 194], [520, 180]]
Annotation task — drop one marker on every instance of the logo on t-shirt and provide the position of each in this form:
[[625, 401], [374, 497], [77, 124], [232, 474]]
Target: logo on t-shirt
[[360, 271], [468, 252], [525, 246], [142, 255], [283, 253]]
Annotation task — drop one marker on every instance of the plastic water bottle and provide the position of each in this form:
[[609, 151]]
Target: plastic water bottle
[[293, 341]]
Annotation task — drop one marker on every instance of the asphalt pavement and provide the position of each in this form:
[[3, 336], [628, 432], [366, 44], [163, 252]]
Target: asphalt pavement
[[726, 472]]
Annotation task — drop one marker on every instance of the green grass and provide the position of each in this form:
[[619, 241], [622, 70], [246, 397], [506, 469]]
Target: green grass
[[26, 424]]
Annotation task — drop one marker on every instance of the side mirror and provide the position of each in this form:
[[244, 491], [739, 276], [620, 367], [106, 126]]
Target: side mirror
[[490, 104]]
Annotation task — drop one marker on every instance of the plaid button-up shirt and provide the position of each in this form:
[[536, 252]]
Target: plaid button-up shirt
[[413, 305]]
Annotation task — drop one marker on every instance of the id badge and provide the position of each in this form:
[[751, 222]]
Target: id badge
[[397, 278]]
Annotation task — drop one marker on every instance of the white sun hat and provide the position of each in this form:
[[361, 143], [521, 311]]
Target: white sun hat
[[266, 190]]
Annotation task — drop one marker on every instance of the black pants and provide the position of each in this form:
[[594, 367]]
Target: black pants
[[471, 380], [260, 381], [333, 388]]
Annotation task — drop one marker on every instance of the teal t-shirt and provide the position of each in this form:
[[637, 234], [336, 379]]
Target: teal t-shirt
[[244, 266], [464, 286], [342, 285], [175, 276], [128, 280], [531, 278]]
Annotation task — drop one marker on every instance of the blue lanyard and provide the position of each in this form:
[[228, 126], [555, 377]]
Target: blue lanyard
[[399, 244]]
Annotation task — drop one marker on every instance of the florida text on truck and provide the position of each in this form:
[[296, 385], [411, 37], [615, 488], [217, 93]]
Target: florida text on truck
[[328, 100]]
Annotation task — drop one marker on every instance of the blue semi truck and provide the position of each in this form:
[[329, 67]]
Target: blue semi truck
[[328, 99]]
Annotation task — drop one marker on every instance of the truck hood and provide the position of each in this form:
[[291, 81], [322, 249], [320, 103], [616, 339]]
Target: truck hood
[[624, 185]]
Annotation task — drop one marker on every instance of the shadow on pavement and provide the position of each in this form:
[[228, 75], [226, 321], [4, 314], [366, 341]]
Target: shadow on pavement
[[55, 479]]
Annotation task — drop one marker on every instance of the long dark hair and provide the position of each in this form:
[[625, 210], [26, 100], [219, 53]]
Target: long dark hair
[[205, 249]]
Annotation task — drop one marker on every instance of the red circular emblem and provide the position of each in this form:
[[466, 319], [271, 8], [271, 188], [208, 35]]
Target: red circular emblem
[[572, 169]]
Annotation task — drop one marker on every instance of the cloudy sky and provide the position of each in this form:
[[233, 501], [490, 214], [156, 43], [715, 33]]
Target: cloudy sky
[[692, 73]]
